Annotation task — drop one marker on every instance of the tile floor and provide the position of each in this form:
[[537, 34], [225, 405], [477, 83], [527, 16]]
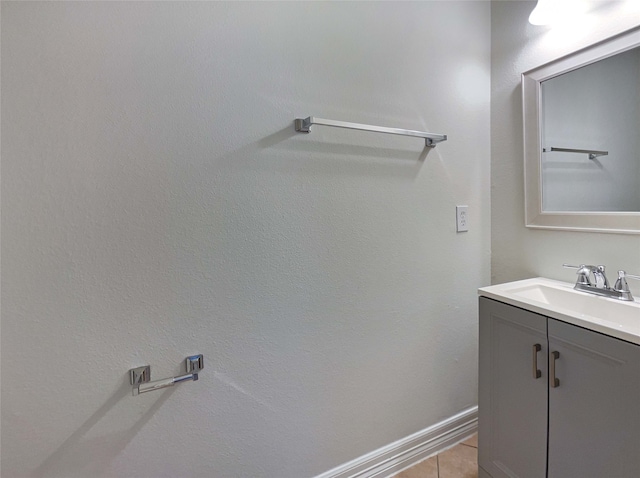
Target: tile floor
[[461, 461]]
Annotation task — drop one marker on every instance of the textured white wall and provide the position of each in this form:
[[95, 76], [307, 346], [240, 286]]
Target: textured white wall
[[517, 46], [156, 203]]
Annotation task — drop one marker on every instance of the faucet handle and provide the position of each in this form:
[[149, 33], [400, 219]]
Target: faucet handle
[[583, 272], [582, 268], [621, 283]]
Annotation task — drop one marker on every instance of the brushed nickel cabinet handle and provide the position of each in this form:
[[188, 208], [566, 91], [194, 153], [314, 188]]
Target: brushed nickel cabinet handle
[[553, 381], [536, 373]]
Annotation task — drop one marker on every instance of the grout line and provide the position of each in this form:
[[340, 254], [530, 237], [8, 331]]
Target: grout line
[[470, 446], [438, 465]]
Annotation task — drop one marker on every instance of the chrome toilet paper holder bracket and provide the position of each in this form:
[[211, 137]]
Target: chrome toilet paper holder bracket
[[140, 377]]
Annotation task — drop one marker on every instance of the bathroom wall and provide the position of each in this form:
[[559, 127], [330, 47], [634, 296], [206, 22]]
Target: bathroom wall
[[517, 46], [156, 203]]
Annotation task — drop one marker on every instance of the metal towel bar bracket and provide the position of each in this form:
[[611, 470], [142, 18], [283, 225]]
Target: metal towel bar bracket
[[304, 126], [140, 377]]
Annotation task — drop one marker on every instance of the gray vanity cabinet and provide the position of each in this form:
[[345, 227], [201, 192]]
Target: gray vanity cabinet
[[594, 412], [584, 425], [512, 431]]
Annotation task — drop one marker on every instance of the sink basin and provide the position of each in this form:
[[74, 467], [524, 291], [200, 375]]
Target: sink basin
[[559, 300]]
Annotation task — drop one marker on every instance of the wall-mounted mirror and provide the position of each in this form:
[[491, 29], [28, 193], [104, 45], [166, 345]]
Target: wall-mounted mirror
[[582, 139]]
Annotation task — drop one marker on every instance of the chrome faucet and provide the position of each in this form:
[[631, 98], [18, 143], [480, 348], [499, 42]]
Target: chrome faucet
[[586, 272], [601, 278], [600, 284]]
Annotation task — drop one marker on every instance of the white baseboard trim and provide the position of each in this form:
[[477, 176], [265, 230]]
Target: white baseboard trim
[[390, 459]]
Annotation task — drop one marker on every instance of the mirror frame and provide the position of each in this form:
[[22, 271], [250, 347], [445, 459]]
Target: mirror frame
[[535, 217]]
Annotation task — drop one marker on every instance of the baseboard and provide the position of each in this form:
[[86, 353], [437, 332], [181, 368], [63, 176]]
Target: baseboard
[[390, 459]]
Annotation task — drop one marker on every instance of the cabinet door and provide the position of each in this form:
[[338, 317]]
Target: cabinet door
[[594, 412], [512, 402]]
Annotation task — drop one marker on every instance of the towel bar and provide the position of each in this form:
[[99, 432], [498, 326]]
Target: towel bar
[[304, 126]]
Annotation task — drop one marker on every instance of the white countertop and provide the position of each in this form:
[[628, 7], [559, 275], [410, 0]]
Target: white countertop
[[559, 300]]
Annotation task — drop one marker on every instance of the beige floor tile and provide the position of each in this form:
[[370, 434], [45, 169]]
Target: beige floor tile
[[426, 469], [461, 461], [472, 441]]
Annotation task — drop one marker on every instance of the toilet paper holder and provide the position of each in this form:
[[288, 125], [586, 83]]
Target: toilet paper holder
[[140, 377]]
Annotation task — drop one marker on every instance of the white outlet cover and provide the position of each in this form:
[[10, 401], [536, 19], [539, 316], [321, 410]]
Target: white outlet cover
[[462, 218]]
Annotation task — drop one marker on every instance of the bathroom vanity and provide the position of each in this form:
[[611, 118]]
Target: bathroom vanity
[[559, 393]]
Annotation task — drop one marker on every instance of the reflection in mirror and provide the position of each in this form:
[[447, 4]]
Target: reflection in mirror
[[591, 137], [581, 118]]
